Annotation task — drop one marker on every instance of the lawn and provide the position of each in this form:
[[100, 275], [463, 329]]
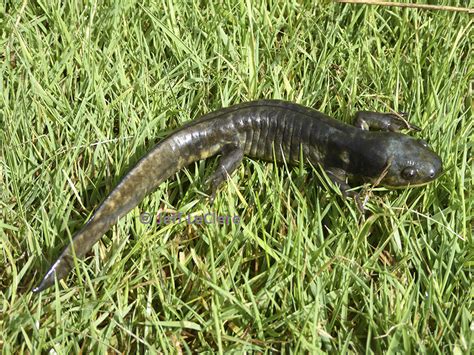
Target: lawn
[[87, 88]]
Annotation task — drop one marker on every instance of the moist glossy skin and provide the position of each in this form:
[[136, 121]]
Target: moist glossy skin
[[267, 130]]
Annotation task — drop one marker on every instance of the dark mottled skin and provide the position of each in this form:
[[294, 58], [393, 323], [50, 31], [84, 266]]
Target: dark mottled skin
[[265, 130]]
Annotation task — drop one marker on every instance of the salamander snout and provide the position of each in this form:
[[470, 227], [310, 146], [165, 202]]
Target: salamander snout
[[432, 172], [426, 168], [435, 169]]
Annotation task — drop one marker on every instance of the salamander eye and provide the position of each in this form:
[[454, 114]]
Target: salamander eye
[[409, 173], [423, 143]]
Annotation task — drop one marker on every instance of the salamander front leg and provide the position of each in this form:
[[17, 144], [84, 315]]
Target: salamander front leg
[[393, 122], [338, 177], [229, 161]]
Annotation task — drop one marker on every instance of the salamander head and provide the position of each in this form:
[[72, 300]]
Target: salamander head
[[411, 162]]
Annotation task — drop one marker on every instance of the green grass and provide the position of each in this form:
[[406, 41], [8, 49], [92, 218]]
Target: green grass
[[88, 89]]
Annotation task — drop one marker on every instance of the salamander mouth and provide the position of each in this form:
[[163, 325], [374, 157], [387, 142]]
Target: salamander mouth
[[414, 184], [395, 187]]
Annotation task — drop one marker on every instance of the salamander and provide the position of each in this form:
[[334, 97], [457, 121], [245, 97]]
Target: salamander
[[371, 150]]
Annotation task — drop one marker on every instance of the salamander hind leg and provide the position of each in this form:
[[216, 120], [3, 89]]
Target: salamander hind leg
[[231, 158], [368, 120]]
